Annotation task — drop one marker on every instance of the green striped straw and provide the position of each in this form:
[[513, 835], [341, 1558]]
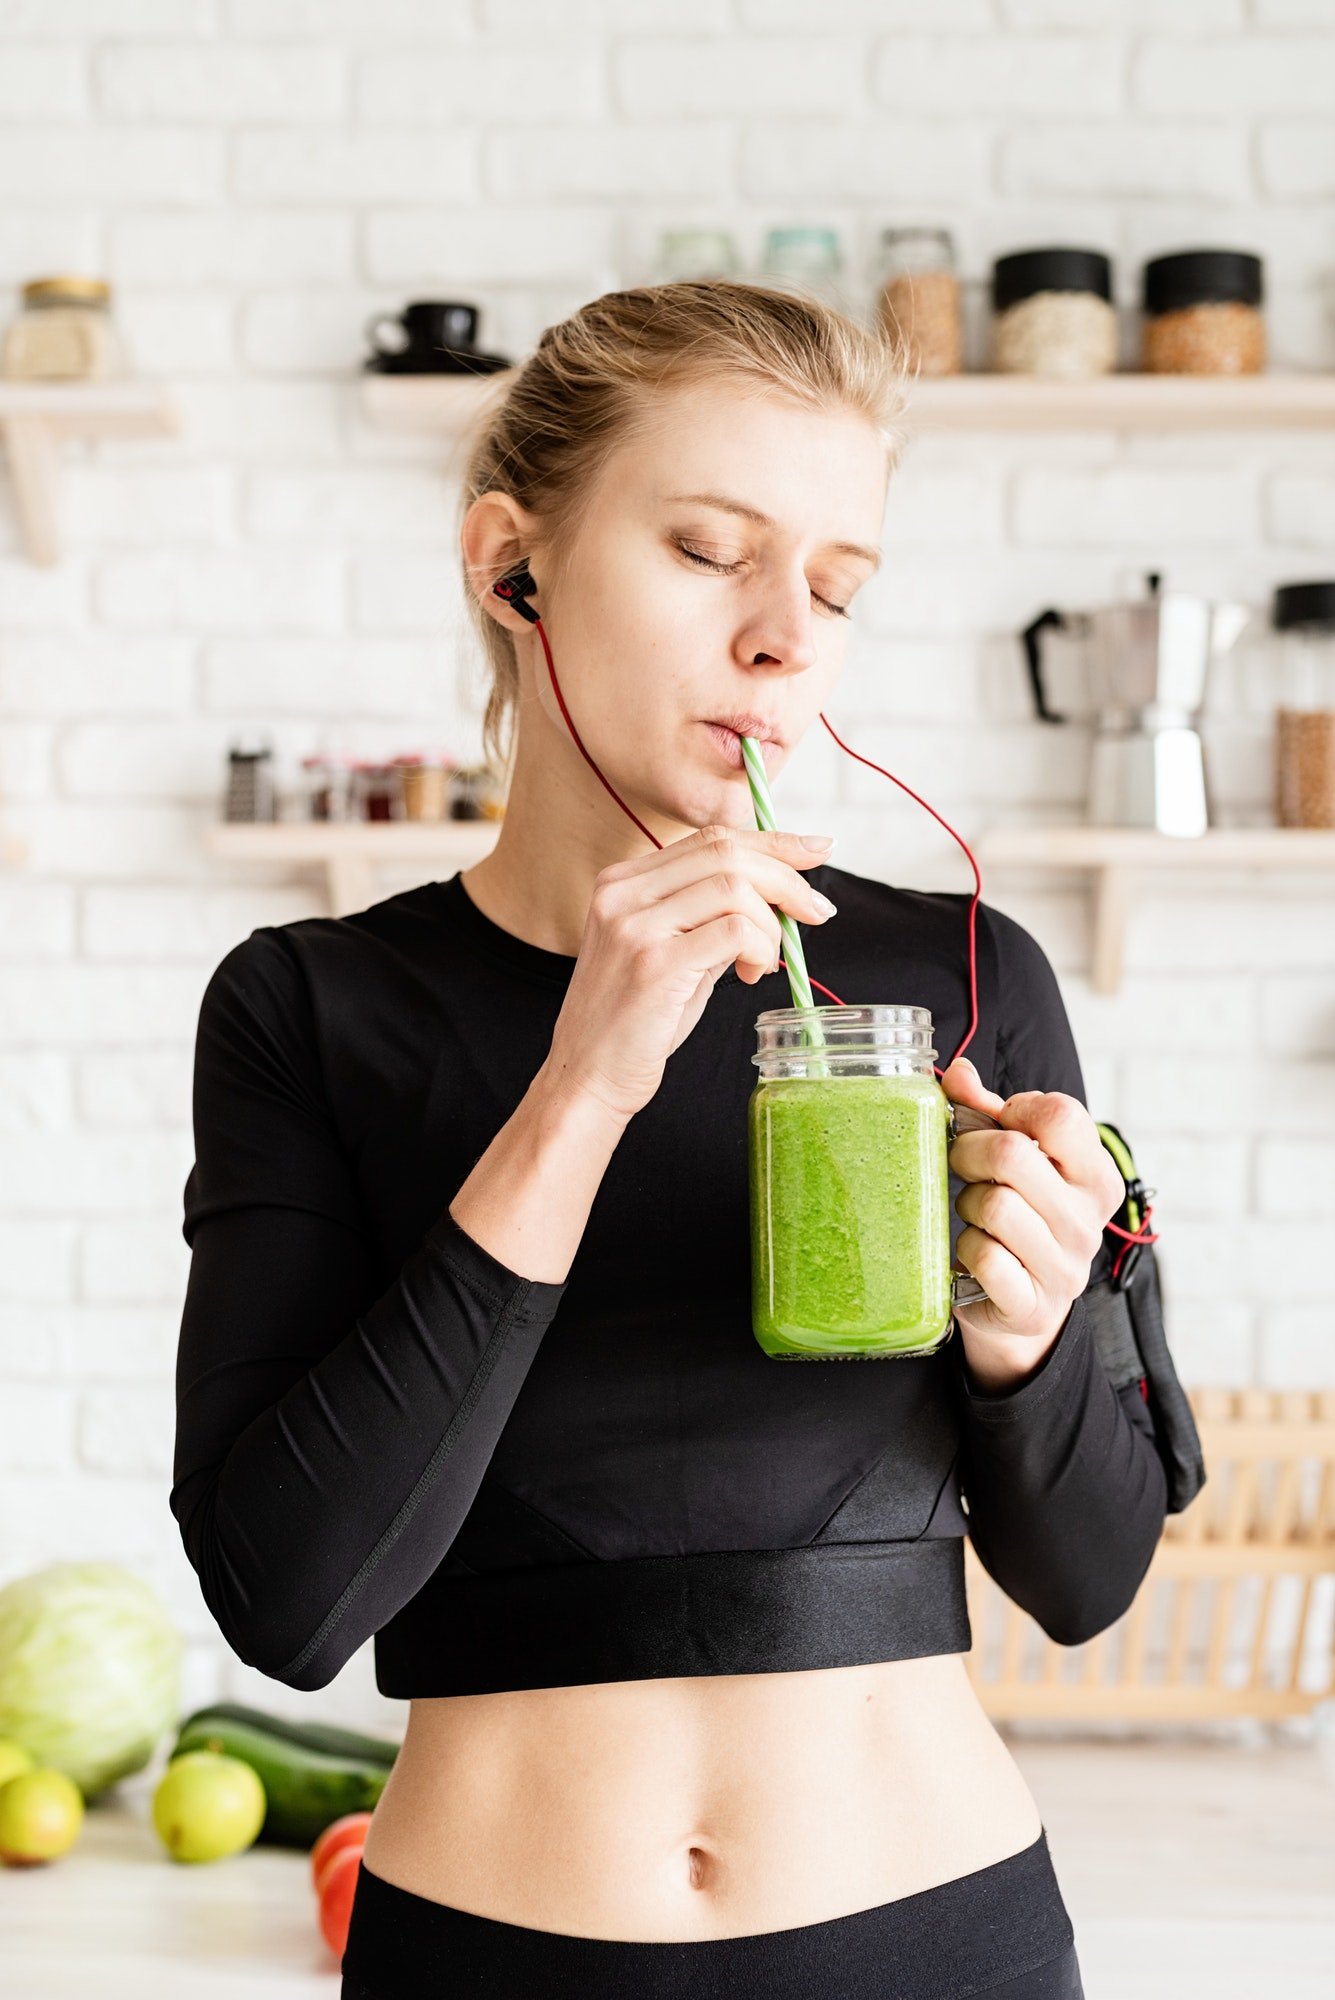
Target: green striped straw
[[794, 957]]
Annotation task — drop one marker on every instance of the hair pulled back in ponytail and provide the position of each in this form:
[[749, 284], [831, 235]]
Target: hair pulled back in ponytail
[[592, 380]]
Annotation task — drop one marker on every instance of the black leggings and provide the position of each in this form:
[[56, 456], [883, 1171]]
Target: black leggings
[[1001, 1931]]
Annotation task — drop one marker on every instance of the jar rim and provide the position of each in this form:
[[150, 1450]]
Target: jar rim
[[883, 1010]]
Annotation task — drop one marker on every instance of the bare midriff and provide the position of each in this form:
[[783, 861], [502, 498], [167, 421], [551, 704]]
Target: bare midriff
[[705, 1807]]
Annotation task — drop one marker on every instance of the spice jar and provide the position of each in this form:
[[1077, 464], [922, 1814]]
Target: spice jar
[[376, 792], [476, 793], [1304, 617], [1203, 314], [424, 783], [918, 298], [64, 332], [1053, 314], [327, 788]]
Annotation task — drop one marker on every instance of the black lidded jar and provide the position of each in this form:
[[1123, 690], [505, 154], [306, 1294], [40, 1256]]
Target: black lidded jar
[[1203, 314], [1053, 314]]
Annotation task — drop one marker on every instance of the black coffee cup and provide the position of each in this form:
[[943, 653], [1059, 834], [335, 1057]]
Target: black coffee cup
[[426, 326]]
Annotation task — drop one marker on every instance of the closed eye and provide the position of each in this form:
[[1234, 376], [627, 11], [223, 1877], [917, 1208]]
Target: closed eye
[[729, 569]]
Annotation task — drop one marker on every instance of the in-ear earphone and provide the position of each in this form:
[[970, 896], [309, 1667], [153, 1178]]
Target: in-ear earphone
[[514, 588]]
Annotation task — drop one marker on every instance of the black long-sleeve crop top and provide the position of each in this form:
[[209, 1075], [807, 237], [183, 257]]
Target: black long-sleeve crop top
[[511, 1483]]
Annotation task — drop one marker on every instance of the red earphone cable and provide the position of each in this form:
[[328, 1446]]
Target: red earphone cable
[[556, 688], [977, 878]]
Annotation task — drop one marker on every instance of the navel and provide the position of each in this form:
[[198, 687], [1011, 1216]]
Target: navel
[[699, 1865]]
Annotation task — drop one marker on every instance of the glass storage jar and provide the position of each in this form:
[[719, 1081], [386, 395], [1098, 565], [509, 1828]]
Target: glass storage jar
[[326, 784], [847, 1139], [1053, 314], [806, 261], [696, 253], [1203, 314], [918, 298], [1304, 618], [424, 780], [377, 793], [64, 332], [476, 792]]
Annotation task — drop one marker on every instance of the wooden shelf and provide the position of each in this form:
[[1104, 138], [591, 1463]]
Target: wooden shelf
[[36, 416], [1123, 403], [348, 853], [1118, 857], [447, 403]]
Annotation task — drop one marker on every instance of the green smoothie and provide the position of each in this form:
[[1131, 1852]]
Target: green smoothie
[[850, 1215]]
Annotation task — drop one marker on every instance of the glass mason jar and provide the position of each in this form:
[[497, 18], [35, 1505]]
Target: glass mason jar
[[1304, 619], [64, 332], [847, 1136], [918, 298]]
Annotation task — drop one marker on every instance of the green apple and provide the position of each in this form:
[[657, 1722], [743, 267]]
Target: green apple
[[208, 1805], [41, 1812]]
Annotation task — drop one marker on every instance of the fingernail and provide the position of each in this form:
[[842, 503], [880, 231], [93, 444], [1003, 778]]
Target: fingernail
[[823, 904], [815, 841]]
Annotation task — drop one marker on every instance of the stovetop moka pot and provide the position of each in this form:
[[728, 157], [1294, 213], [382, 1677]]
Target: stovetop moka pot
[[1148, 664]]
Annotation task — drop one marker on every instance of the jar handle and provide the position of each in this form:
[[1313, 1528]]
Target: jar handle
[[965, 1290]]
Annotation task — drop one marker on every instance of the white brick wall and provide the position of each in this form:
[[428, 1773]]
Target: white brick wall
[[259, 177]]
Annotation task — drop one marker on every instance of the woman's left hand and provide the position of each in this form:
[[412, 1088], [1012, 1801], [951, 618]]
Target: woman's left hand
[[1039, 1193]]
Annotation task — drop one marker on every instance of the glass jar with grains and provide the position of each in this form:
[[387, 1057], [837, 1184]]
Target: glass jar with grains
[[918, 298], [64, 333], [1203, 314], [1304, 617], [1053, 314]]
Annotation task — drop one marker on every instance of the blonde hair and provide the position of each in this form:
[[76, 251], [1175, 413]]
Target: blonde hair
[[590, 384]]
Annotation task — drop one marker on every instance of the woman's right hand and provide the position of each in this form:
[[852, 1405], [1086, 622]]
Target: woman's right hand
[[660, 930]]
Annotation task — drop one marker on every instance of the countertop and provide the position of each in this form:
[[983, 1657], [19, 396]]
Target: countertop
[[1188, 1867]]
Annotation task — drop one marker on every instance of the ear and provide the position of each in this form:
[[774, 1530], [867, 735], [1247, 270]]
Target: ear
[[496, 536]]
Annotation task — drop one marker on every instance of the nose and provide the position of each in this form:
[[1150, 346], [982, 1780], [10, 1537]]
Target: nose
[[781, 629]]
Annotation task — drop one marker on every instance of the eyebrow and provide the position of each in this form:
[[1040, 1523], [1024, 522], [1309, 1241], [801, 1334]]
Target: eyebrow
[[726, 505]]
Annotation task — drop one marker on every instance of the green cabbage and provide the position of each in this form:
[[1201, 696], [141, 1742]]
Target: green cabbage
[[89, 1670]]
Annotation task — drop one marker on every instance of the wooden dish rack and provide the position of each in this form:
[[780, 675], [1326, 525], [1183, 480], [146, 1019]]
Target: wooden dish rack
[[1234, 1617]]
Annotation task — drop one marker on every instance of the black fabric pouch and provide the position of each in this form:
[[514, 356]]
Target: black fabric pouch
[[1126, 1317]]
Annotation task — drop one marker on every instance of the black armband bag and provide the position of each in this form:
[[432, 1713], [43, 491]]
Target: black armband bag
[[1125, 1311]]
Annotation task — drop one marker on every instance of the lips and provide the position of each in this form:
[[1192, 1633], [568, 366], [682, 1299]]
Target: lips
[[730, 745], [745, 724]]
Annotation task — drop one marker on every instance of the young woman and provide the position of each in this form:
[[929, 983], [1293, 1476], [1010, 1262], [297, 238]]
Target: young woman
[[467, 1360]]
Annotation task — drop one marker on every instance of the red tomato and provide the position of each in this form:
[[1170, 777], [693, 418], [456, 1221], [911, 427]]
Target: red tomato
[[348, 1847], [340, 1886], [352, 1827]]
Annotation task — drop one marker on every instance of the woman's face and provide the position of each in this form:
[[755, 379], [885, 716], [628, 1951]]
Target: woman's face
[[679, 610]]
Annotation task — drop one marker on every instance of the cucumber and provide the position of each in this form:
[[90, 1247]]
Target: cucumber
[[312, 1773], [325, 1736]]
